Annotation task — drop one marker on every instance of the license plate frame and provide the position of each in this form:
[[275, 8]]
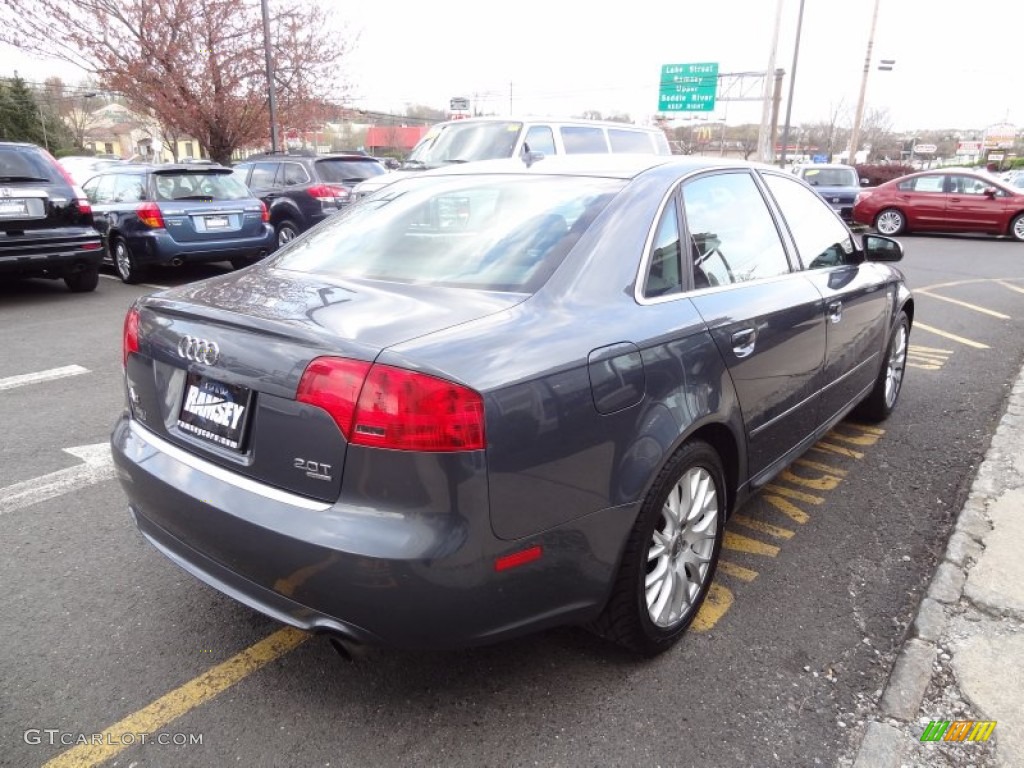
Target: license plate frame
[[217, 222], [214, 411]]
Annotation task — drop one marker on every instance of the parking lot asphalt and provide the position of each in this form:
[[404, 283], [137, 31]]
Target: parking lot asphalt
[[114, 656]]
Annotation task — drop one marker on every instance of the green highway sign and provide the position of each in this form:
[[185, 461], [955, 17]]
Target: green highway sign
[[688, 87]]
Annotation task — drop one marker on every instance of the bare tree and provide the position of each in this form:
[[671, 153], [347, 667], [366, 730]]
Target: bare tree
[[193, 65], [829, 135]]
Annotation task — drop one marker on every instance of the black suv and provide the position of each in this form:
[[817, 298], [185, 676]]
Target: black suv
[[301, 190], [46, 221]]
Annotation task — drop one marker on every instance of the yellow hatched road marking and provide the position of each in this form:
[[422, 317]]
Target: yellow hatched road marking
[[966, 305], [791, 494], [792, 511], [739, 543], [822, 447], [756, 525], [929, 350], [951, 336], [826, 468], [852, 439], [866, 429], [824, 482], [736, 571], [1005, 284], [717, 603], [178, 702]]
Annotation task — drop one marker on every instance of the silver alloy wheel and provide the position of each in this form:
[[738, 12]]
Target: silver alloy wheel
[[123, 260], [895, 365], [889, 222], [285, 235], [1018, 228], [681, 548]]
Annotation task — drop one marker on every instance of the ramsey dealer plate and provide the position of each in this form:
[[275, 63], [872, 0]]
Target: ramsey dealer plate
[[214, 411]]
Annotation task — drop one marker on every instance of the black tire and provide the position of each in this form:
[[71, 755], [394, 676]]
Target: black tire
[[886, 393], [890, 222], [287, 230], [242, 262], [1017, 228], [627, 618], [84, 281], [127, 267]]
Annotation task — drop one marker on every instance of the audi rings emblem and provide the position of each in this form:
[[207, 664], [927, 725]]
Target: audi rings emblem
[[198, 350]]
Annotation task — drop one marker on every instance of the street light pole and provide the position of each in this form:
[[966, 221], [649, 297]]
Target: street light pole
[[271, 90], [792, 86], [765, 150], [855, 134]]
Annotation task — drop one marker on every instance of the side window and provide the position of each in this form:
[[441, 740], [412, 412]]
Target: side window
[[664, 275], [733, 235], [626, 141], [583, 139], [821, 239], [263, 175], [294, 174], [241, 172], [540, 139], [104, 189], [128, 188], [928, 183], [968, 185], [90, 188]]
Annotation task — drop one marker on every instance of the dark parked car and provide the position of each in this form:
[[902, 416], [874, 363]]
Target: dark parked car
[[950, 200], [837, 184], [301, 190], [479, 404], [45, 220], [171, 214]]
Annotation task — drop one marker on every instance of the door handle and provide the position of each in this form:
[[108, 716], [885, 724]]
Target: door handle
[[954, 200], [835, 311], [743, 342]]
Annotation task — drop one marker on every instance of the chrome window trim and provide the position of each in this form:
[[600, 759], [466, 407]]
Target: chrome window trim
[[219, 473]]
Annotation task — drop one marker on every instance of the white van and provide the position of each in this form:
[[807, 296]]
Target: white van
[[493, 138]]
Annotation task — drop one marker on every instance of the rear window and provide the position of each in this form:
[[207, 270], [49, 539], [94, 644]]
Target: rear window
[[496, 233], [26, 163], [189, 185], [339, 170], [831, 177], [630, 141]]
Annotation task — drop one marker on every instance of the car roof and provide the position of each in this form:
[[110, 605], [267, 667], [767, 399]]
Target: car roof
[[809, 166], [553, 121], [620, 166], [262, 158], [161, 168]]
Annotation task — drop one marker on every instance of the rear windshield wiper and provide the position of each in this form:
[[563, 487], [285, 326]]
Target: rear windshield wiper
[[22, 178], [207, 198]]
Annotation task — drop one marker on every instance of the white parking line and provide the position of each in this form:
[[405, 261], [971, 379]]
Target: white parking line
[[34, 378], [97, 467], [144, 285]]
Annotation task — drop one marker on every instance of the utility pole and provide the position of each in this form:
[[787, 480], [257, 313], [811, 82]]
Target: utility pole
[[792, 86], [855, 134], [765, 151], [271, 89], [776, 100]]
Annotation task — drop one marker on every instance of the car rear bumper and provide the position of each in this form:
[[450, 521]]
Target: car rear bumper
[[54, 258], [414, 578], [158, 247]]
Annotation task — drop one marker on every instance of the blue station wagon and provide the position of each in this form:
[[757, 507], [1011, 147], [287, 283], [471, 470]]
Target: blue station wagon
[[173, 214]]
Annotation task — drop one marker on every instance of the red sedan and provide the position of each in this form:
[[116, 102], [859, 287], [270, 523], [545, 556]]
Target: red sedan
[[949, 200]]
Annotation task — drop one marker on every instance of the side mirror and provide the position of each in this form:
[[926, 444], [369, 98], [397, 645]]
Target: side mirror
[[882, 248], [865, 182], [990, 191]]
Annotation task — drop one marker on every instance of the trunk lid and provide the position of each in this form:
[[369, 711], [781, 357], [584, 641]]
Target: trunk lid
[[219, 363]]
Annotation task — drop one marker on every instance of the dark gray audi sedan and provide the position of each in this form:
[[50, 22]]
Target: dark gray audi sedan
[[478, 404]]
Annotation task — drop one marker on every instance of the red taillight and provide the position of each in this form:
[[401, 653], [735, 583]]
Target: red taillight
[[264, 213], [83, 202], [385, 407], [130, 338], [329, 193], [150, 215]]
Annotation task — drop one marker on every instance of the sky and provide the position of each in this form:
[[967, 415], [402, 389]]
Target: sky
[[958, 64]]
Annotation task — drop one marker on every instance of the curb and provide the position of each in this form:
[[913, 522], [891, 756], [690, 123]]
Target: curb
[[886, 744]]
